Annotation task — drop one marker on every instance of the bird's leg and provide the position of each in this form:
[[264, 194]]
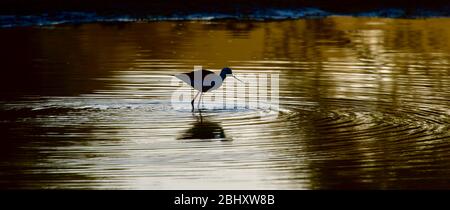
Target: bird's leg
[[198, 105], [192, 102], [203, 102]]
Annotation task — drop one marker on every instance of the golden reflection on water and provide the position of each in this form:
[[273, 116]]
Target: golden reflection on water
[[364, 104]]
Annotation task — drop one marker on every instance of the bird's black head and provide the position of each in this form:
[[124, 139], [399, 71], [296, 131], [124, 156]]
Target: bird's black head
[[226, 70]]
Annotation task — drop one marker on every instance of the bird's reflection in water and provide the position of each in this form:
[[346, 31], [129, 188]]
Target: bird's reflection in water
[[204, 129]]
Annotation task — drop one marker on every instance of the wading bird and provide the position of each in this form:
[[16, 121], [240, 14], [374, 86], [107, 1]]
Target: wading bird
[[204, 81]]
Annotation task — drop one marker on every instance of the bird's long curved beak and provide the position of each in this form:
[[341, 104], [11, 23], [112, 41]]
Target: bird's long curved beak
[[237, 78]]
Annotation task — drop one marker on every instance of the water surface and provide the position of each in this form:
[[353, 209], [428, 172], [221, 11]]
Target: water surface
[[364, 103]]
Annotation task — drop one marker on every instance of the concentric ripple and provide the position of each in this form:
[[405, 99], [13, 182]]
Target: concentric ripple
[[358, 107]]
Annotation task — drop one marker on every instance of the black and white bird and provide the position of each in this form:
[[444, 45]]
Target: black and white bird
[[205, 81]]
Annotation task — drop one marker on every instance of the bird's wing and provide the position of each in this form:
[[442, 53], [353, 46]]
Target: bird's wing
[[188, 78], [196, 79], [184, 77], [206, 72]]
